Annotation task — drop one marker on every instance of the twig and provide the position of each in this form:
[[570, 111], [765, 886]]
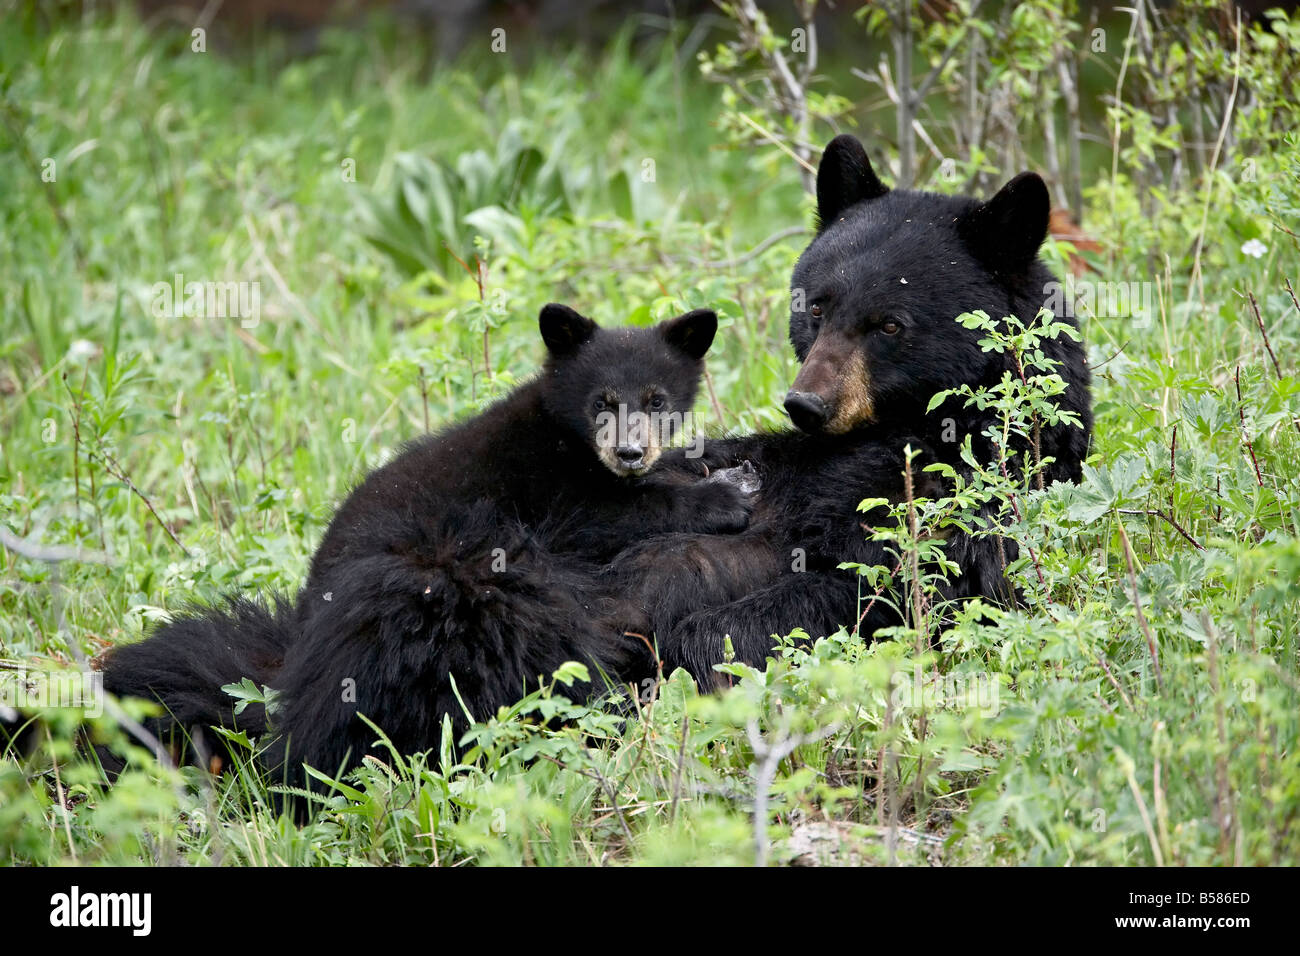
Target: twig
[[898, 566], [1223, 812], [1157, 513], [677, 774], [1196, 279], [775, 141], [713, 399], [115, 469], [1137, 606], [1259, 321], [753, 253], [50, 552], [54, 556], [600, 778], [1250, 446], [1106, 667], [768, 758]]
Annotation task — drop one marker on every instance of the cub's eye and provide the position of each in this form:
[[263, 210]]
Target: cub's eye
[[600, 405], [657, 403], [891, 328], [816, 310]]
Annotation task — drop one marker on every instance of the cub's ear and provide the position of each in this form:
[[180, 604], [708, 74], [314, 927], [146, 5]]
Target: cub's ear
[[563, 330], [844, 177], [692, 333], [1006, 231]]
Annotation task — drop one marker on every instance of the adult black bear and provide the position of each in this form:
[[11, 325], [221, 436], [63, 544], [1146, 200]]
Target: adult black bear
[[874, 298], [461, 570]]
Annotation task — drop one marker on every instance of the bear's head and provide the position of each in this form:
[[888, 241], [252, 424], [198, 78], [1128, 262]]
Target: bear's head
[[624, 392], [874, 296]]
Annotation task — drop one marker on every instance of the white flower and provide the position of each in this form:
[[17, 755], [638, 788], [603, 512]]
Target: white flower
[[81, 350], [1253, 248]]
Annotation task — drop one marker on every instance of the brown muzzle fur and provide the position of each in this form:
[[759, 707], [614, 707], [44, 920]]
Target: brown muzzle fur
[[836, 372]]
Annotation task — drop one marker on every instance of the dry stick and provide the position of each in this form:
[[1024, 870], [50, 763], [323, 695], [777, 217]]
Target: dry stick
[[918, 612], [1137, 606], [1223, 804], [1195, 281], [953, 44], [768, 758], [753, 253], [53, 555], [1106, 667], [1037, 441], [115, 469], [1069, 87], [1259, 321], [1250, 447], [479, 275], [1291, 292], [902, 42], [1142, 811], [50, 552], [1119, 100], [677, 774], [62, 795], [1173, 444], [898, 566], [603, 781], [76, 442], [913, 529], [795, 98], [1015, 509], [1157, 513], [1161, 808], [278, 280], [775, 141], [424, 397], [713, 399], [888, 763]]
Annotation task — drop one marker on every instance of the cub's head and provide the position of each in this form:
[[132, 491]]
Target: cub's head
[[625, 392], [874, 295]]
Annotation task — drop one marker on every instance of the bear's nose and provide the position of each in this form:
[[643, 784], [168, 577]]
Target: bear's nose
[[806, 410], [629, 454]]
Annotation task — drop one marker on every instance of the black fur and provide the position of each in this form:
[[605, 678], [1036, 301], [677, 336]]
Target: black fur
[[874, 297], [460, 573]]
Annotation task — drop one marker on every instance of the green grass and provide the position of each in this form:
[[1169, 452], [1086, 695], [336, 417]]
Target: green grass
[[242, 440]]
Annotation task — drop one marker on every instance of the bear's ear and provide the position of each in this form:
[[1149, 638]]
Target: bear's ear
[[563, 330], [692, 333], [1006, 231], [844, 177]]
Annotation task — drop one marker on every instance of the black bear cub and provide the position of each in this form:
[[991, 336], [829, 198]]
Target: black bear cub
[[459, 573]]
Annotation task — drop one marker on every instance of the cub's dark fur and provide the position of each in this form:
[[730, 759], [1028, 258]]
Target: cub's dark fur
[[461, 570], [874, 298]]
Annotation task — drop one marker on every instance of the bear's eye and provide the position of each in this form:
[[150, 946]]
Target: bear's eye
[[891, 328], [657, 403], [600, 405], [816, 311]]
